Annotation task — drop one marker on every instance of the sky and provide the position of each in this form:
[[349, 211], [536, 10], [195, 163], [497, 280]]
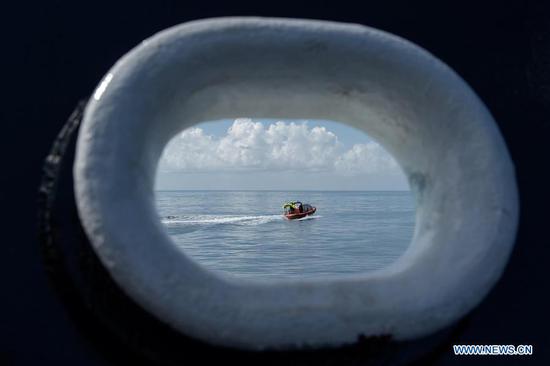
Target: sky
[[246, 154]]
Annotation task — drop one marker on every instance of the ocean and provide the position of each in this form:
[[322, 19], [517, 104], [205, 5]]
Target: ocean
[[243, 233]]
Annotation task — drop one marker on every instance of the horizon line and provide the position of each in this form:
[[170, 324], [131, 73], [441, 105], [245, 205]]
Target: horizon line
[[282, 190]]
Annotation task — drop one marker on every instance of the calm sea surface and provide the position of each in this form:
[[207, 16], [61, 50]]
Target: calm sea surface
[[242, 233]]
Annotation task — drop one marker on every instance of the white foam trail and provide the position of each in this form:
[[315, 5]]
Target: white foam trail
[[308, 218], [222, 219]]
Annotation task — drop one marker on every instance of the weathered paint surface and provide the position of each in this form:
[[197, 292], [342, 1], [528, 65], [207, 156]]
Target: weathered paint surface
[[420, 110]]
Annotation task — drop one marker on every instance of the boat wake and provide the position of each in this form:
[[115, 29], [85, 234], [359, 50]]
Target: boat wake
[[308, 218], [220, 219]]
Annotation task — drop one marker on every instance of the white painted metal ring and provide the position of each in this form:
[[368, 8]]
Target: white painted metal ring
[[422, 112]]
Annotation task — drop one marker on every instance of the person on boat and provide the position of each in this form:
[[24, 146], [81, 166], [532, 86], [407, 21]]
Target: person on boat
[[294, 206], [291, 206], [296, 210]]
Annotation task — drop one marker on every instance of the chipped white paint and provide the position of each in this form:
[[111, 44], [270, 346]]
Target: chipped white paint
[[421, 111]]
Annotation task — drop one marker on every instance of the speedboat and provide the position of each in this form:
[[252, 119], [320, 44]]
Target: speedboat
[[297, 210]]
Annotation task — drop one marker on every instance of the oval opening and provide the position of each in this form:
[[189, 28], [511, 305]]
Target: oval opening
[[221, 186], [443, 136]]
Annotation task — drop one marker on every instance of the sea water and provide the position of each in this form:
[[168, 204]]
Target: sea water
[[243, 233]]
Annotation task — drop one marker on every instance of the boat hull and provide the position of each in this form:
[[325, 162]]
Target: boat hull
[[299, 215]]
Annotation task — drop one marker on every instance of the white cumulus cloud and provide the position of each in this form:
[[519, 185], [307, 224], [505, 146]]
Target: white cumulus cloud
[[252, 146], [365, 158]]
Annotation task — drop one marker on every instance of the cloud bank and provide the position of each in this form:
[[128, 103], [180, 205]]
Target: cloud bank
[[253, 147]]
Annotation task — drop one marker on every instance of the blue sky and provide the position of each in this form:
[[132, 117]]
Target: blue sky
[[262, 154]]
